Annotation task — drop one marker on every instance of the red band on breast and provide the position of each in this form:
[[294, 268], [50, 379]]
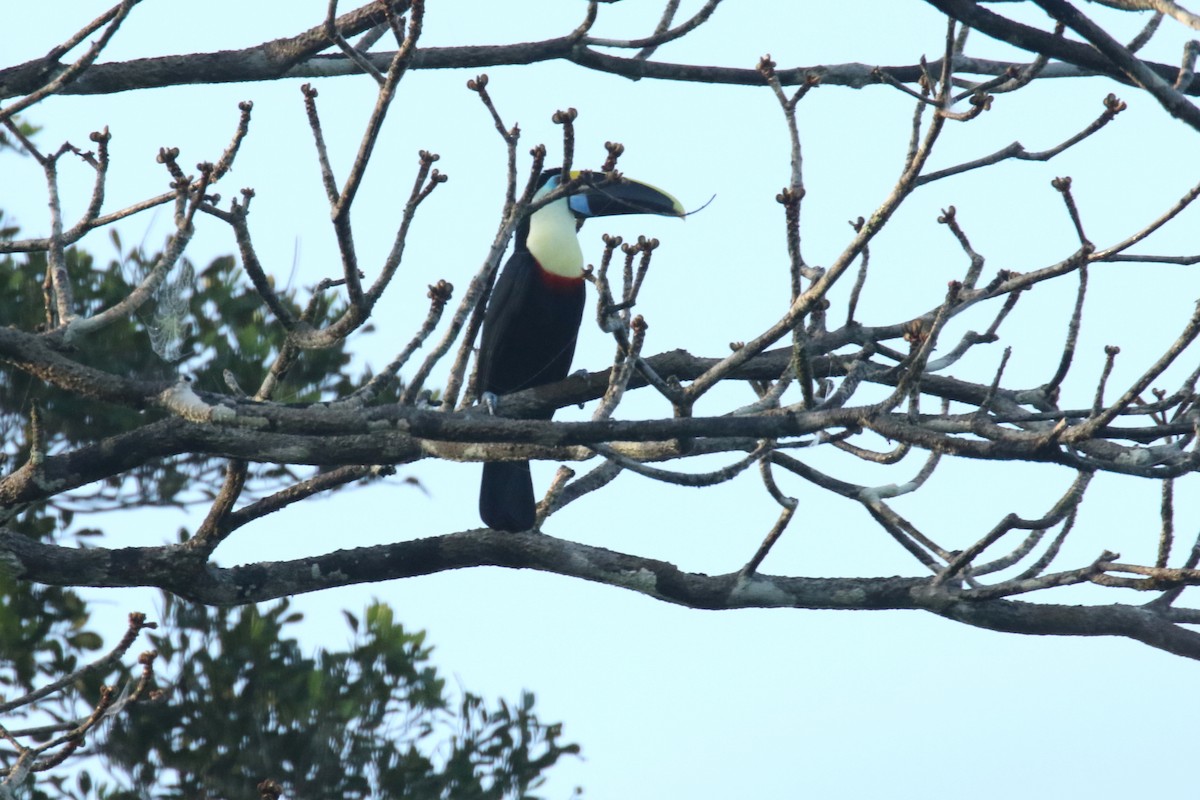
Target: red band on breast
[[559, 283]]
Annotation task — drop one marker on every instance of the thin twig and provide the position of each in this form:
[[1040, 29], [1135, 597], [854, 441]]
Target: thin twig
[[113, 19], [137, 623], [1016, 150], [1166, 537], [785, 516], [1068, 353]]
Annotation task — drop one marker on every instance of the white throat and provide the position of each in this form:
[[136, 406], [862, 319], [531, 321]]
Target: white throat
[[552, 240]]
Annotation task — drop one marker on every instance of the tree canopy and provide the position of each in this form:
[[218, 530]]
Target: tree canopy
[[875, 370]]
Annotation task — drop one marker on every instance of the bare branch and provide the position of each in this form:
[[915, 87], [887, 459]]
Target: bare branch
[[1016, 150], [41, 68], [1159, 7]]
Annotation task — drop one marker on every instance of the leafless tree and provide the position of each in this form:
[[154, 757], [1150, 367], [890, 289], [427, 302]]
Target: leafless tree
[[818, 379]]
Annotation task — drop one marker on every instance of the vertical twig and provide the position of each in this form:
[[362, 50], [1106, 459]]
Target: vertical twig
[[1068, 354], [1167, 513]]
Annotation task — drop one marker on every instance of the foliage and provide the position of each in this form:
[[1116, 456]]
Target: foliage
[[245, 703], [42, 633]]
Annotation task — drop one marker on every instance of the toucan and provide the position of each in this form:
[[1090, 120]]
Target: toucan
[[533, 316]]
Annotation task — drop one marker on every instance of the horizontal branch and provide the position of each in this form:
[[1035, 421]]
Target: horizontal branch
[[169, 568], [347, 433], [274, 60], [398, 435], [265, 61]]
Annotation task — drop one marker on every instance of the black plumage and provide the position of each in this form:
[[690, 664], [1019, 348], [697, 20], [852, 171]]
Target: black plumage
[[529, 335]]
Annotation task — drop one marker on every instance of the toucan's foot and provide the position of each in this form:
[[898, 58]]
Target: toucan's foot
[[579, 373], [490, 401]]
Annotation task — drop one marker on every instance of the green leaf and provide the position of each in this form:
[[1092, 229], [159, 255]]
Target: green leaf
[[87, 640]]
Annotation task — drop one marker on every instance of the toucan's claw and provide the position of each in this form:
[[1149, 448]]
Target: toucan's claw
[[490, 401]]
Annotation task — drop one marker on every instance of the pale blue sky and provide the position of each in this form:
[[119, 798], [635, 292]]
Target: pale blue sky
[[669, 702]]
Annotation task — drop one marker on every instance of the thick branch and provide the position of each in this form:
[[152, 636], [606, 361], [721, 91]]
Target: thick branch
[[160, 566]]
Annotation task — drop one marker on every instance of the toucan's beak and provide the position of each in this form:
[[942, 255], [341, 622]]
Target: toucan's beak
[[599, 198]]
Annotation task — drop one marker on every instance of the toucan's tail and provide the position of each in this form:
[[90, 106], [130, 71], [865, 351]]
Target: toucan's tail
[[506, 496]]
